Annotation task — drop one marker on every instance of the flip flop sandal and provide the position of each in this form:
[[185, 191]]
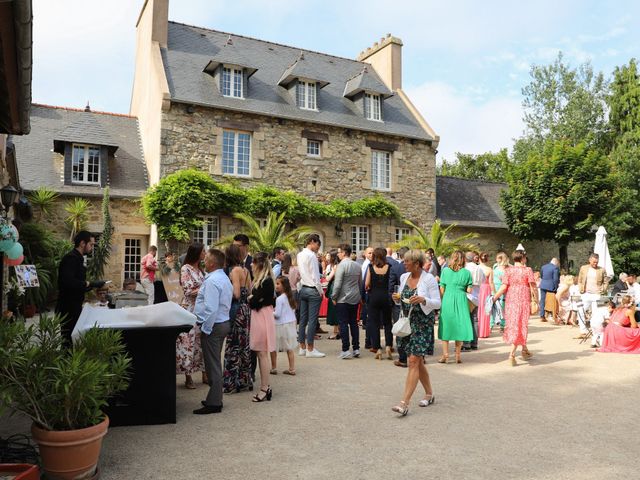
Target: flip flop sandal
[[273, 371], [289, 372]]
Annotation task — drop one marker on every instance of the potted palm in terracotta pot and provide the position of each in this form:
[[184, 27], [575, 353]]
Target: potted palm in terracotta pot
[[62, 390]]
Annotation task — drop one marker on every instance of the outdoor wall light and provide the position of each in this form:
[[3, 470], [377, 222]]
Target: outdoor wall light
[[8, 195]]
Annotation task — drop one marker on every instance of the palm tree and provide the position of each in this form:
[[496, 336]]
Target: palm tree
[[437, 239], [43, 198], [272, 235], [78, 215]]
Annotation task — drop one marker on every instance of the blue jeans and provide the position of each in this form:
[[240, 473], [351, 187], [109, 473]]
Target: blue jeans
[[310, 301], [348, 319]]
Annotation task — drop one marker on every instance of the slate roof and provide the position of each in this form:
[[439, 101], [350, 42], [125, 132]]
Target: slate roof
[[39, 165], [366, 80], [469, 203], [190, 49], [302, 68]]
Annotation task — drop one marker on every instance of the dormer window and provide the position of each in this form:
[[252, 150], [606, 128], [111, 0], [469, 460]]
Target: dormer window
[[306, 95], [85, 164], [232, 82], [372, 110]]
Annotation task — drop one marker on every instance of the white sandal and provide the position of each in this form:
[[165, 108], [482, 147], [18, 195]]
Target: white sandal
[[425, 402]]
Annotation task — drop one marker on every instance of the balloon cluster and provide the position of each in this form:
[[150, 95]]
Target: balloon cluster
[[9, 244]]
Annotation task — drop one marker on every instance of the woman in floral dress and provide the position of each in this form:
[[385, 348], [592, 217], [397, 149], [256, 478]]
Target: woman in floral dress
[[520, 287], [420, 298], [189, 358], [237, 354]]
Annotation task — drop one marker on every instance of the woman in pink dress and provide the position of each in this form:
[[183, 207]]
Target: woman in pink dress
[[189, 359], [484, 315], [520, 287], [622, 334]]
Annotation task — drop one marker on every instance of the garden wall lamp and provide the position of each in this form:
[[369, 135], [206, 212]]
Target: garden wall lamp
[[8, 195]]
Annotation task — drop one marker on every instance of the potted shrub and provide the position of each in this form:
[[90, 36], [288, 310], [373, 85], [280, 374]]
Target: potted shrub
[[62, 390]]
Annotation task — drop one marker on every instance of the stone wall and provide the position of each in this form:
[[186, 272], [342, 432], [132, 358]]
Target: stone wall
[[279, 159], [127, 221], [492, 240]]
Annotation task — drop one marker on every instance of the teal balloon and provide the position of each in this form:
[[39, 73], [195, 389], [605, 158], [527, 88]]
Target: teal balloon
[[6, 245], [15, 252], [8, 237]]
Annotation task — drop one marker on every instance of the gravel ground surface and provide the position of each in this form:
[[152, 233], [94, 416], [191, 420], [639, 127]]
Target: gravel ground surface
[[562, 415]]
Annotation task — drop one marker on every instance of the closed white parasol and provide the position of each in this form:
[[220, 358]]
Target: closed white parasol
[[602, 249]]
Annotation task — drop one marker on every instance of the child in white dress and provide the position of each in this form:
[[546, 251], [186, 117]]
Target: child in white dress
[[286, 335]]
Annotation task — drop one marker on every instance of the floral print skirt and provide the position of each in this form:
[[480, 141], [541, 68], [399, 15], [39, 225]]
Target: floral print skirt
[[189, 359]]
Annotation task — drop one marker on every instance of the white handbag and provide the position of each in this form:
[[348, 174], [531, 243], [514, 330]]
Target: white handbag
[[402, 328]]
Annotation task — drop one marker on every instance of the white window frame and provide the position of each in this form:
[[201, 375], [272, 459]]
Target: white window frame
[[380, 179], [85, 164], [262, 222], [232, 82], [235, 152], [374, 110], [134, 265], [208, 233], [402, 232], [360, 237], [311, 153], [306, 95]]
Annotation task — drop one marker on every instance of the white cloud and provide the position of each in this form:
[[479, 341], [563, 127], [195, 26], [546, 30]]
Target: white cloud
[[465, 126]]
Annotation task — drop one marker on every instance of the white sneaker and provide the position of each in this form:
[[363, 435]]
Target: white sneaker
[[356, 353], [302, 352], [315, 353], [345, 355]]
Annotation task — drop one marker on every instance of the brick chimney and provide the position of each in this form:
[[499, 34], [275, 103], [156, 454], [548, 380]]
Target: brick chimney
[[385, 57], [154, 17]]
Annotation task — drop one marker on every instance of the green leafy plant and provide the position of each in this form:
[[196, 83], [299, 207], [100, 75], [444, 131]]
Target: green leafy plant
[[102, 251], [78, 210], [43, 198], [177, 201], [60, 388], [273, 234], [437, 239]]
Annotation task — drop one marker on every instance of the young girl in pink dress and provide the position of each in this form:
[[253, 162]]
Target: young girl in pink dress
[[484, 315]]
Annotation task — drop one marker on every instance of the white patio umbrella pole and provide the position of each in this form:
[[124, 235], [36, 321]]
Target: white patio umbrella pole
[[602, 249]]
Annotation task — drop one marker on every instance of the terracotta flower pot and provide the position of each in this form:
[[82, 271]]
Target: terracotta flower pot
[[70, 454]]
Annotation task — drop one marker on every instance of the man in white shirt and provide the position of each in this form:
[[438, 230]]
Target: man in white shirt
[[634, 288], [477, 275], [310, 296]]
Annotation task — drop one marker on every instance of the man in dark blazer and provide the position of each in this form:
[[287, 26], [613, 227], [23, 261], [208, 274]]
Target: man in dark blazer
[[549, 281]]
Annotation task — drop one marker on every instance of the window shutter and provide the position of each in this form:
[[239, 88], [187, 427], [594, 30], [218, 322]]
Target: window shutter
[[367, 106], [104, 166], [245, 84], [68, 152], [220, 75], [317, 89], [381, 105]]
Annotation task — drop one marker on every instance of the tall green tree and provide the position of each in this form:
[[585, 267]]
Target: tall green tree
[[565, 103], [487, 166], [558, 195], [623, 219]]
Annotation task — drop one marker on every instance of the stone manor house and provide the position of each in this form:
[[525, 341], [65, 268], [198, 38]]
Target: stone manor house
[[254, 111]]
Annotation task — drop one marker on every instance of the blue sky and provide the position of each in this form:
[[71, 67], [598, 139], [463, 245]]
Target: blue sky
[[464, 62]]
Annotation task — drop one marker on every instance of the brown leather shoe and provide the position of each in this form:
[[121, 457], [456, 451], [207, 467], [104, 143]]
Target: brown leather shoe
[[398, 363]]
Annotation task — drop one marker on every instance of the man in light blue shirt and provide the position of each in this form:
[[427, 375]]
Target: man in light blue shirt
[[212, 309]]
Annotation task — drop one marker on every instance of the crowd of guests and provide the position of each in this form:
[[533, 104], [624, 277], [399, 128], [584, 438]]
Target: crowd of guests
[[257, 306]]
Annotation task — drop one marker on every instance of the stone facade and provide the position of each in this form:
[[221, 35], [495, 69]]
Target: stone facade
[[279, 159], [128, 223]]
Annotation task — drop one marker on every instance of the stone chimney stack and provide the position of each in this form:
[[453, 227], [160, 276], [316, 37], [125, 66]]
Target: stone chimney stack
[[154, 17], [385, 57]]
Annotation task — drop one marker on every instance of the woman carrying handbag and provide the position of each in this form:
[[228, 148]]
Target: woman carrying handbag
[[420, 298]]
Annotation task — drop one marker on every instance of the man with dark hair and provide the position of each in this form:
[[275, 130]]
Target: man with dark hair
[[310, 296], [276, 263], [72, 282], [346, 296], [242, 241], [395, 273], [212, 311]]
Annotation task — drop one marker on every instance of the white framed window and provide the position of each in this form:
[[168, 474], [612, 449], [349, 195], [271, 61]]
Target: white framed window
[[372, 107], [207, 233], [380, 170], [85, 164], [306, 95], [232, 82], [236, 153], [359, 237], [313, 148], [401, 233], [262, 222], [132, 258]]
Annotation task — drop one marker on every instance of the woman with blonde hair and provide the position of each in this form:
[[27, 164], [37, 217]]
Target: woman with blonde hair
[[501, 265], [520, 287], [484, 315], [262, 337], [419, 299], [455, 319]]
